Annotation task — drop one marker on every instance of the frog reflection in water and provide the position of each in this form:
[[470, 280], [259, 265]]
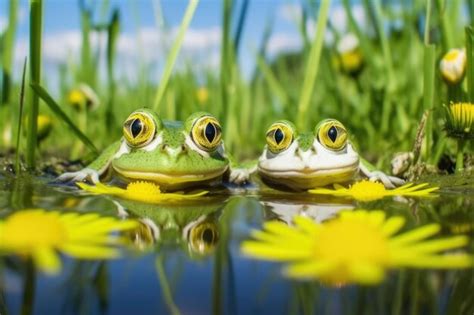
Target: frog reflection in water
[[192, 224], [172, 154], [308, 160], [319, 210]]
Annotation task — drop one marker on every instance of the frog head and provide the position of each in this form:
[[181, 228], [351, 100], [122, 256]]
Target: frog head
[[307, 160], [171, 154]]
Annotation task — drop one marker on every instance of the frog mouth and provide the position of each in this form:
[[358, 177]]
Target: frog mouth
[[310, 173], [308, 178], [171, 178]]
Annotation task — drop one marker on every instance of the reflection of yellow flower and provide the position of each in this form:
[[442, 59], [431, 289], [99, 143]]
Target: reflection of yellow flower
[[202, 95], [357, 246], [460, 120], [453, 65], [368, 191], [39, 234], [140, 191]]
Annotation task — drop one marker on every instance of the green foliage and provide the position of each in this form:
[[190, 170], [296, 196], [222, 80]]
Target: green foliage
[[381, 103]]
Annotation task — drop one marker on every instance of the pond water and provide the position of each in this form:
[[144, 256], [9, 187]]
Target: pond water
[[187, 259]]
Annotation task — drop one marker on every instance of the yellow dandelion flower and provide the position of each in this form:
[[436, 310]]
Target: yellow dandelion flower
[[460, 120], [368, 191], [42, 234], [202, 95], [357, 247], [453, 65], [140, 191], [350, 56], [83, 97], [45, 124]]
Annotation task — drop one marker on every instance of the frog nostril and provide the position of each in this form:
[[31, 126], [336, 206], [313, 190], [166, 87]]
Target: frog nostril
[[183, 147], [164, 147]]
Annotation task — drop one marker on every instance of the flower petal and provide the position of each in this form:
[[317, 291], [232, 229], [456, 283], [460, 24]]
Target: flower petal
[[47, 260]]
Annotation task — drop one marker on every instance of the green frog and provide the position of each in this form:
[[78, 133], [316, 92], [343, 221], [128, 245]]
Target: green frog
[[172, 154], [302, 161]]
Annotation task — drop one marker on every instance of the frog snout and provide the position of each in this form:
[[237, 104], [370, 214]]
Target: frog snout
[[174, 151], [305, 155]]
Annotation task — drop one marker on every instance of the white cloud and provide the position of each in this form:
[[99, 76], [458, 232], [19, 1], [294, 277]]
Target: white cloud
[[290, 12], [283, 42], [338, 17], [147, 47]]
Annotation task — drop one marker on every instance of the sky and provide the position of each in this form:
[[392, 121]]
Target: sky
[[141, 38]]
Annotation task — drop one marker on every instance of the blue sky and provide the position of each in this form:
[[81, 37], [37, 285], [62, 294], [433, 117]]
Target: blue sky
[[141, 38]]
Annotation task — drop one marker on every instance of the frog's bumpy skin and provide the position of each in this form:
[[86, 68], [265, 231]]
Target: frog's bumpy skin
[[86, 174]]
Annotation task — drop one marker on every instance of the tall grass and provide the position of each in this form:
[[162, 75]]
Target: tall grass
[[381, 104], [36, 27], [7, 48]]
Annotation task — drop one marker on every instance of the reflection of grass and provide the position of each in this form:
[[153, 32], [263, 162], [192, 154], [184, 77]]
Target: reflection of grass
[[381, 104]]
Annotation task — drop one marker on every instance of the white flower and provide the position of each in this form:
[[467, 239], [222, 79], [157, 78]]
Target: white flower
[[453, 65]]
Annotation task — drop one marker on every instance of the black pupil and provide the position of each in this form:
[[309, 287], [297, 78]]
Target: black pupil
[[208, 236], [136, 127], [332, 134], [210, 132], [279, 136]]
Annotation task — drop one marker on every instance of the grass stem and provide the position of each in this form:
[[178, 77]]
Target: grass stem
[[312, 64], [36, 26], [188, 15]]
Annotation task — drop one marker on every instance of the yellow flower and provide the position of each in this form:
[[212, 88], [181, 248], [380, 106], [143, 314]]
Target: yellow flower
[[460, 120], [45, 124], [83, 97], [202, 95], [453, 65], [368, 191], [42, 234], [356, 247], [140, 191], [350, 56]]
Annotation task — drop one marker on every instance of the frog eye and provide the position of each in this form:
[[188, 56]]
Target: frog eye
[[332, 135], [204, 237], [279, 137], [206, 133], [139, 129]]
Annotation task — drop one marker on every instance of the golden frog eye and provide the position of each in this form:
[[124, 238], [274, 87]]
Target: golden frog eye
[[204, 237], [332, 134], [206, 133], [279, 137], [139, 129]]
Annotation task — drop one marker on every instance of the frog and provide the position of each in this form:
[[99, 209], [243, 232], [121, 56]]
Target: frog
[[301, 161], [172, 154]]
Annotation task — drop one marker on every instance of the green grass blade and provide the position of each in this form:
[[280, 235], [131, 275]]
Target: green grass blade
[[272, 81], [8, 45], [20, 119], [56, 109], [428, 93], [188, 15], [113, 30], [240, 25], [312, 64], [36, 26], [470, 65]]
